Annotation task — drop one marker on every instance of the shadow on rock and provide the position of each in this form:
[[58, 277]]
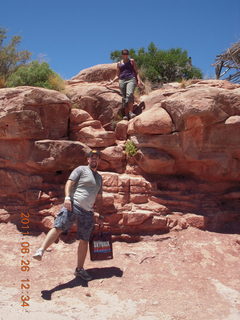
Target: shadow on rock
[[96, 273]]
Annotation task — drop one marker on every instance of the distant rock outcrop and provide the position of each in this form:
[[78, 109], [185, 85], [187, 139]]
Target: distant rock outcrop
[[98, 73], [186, 170]]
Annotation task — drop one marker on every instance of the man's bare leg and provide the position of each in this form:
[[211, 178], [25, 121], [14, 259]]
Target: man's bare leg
[[82, 252], [52, 236]]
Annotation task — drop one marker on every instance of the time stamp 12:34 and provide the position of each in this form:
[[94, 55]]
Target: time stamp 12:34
[[25, 262]]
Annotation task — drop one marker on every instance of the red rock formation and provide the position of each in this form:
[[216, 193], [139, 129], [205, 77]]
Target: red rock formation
[[84, 129], [186, 170], [101, 72], [97, 99]]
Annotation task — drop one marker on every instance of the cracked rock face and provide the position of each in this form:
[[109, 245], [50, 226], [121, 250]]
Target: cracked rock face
[[199, 132], [186, 170]]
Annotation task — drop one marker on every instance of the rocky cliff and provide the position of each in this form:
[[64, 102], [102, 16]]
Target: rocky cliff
[[186, 171]]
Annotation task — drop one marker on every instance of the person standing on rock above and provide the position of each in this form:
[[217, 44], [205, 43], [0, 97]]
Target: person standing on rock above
[[128, 76], [82, 188]]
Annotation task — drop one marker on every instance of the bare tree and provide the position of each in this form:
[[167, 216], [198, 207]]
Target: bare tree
[[229, 62]]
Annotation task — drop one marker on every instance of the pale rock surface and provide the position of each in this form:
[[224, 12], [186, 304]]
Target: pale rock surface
[[198, 271]]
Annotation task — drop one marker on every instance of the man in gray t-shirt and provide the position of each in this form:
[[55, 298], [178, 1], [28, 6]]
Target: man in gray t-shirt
[[81, 190], [88, 183]]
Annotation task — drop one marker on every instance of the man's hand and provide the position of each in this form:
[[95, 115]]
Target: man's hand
[[99, 218], [68, 204], [68, 190]]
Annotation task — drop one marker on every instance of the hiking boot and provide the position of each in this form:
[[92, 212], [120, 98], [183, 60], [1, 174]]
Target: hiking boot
[[82, 274], [131, 115], [38, 254]]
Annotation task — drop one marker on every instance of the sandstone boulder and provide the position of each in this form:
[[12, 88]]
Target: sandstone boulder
[[202, 116], [113, 159], [100, 101], [121, 130], [153, 121], [101, 72], [96, 138], [78, 116], [223, 84], [154, 161], [12, 155], [85, 129], [57, 155], [196, 107], [31, 113], [157, 96], [25, 124], [170, 143]]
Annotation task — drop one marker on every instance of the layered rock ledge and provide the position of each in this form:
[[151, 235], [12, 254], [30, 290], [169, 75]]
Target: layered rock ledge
[[186, 171]]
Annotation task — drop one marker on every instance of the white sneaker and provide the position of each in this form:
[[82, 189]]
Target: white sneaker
[[38, 254]]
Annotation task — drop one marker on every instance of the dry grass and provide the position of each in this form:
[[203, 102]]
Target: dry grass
[[57, 83], [185, 83], [146, 90], [2, 82]]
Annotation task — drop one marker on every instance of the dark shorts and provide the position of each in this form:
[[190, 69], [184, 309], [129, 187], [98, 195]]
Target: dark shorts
[[84, 220]]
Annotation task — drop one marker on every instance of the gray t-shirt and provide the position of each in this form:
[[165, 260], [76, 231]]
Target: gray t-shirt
[[88, 185]]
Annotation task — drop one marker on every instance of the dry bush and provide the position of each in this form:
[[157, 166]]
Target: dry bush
[[2, 82], [185, 83], [56, 82]]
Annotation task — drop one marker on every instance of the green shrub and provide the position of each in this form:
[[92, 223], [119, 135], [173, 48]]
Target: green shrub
[[162, 66], [10, 57], [130, 148], [36, 74]]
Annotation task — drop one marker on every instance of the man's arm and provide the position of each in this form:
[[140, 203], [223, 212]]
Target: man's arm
[[98, 204], [68, 191], [98, 201]]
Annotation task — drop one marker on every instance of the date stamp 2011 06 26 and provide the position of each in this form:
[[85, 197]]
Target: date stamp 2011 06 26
[[25, 262]]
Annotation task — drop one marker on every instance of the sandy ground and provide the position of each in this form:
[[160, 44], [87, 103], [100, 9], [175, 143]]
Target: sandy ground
[[187, 275]]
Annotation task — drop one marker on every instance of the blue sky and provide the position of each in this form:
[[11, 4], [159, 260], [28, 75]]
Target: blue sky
[[73, 35]]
